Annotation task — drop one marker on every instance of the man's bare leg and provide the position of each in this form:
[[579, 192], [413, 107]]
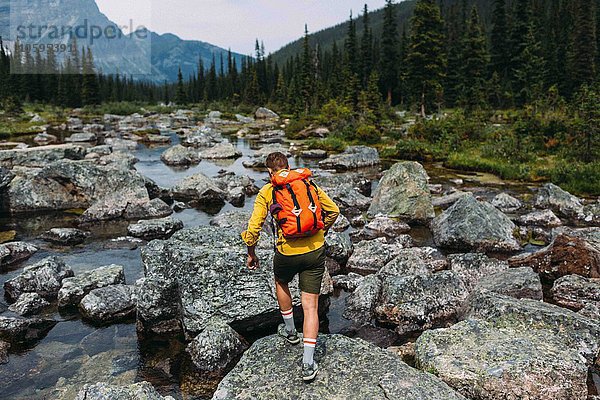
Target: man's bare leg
[[310, 306], [284, 298]]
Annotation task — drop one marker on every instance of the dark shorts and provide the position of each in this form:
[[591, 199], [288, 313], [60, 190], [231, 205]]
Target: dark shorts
[[310, 267]]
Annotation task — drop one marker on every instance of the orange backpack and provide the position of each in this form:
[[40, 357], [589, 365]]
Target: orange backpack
[[296, 207]]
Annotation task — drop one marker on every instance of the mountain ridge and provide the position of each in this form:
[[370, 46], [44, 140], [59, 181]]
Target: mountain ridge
[[161, 55]]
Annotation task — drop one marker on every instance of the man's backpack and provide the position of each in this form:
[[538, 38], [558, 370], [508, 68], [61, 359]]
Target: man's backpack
[[296, 207]]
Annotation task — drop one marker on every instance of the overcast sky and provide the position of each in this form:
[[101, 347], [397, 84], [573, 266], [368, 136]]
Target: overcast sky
[[235, 24]]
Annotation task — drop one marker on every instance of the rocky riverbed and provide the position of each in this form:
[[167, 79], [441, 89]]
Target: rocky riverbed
[[123, 272]]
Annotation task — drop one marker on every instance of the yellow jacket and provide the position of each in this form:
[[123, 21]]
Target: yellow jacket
[[288, 247]]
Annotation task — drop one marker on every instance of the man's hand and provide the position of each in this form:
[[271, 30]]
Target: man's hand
[[252, 261]]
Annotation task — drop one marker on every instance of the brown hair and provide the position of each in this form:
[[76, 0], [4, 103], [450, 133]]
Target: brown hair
[[277, 161]]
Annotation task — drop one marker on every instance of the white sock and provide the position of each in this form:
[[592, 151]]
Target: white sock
[[309, 351], [288, 319]]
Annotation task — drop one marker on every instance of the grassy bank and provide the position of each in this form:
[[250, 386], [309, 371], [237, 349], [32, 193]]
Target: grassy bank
[[542, 144]]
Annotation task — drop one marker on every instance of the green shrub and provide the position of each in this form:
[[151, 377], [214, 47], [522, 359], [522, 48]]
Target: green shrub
[[417, 150], [11, 105], [331, 143], [296, 126], [335, 115], [578, 178], [367, 134]]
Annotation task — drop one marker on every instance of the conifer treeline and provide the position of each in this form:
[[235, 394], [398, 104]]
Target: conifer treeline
[[447, 57], [27, 75]]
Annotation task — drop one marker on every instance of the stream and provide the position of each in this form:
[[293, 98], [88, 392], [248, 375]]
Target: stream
[[75, 353]]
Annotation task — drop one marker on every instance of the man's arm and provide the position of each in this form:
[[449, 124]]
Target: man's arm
[[251, 235], [331, 210]]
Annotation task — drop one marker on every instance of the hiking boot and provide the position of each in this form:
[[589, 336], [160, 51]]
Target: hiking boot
[[309, 372], [292, 338]]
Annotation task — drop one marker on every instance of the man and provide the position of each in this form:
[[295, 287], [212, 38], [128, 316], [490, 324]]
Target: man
[[294, 255]]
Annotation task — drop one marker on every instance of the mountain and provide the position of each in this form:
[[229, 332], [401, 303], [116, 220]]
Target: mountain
[[337, 33], [144, 55]]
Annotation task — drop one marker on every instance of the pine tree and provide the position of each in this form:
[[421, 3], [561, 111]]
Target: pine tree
[[211, 82], [529, 77], [307, 73], [180, 94], [474, 64], [389, 55], [366, 49], [351, 89], [252, 93], [598, 40], [582, 58], [426, 58], [90, 90], [453, 83], [500, 59], [521, 23]]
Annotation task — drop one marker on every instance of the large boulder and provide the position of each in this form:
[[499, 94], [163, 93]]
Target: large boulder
[[356, 181], [353, 157], [158, 306], [220, 151], [571, 252], [180, 155], [63, 185], [448, 200], [382, 227], [65, 236], [75, 288], [15, 252], [415, 261], [23, 330], [202, 273], [404, 193], [506, 203], [270, 369], [151, 229], [360, 305], [198, 189], [473, 225], [126, 204], [104, 391], [350, 191], [574, 330], [40, 156], [44, 277], [29, 303], [236, 187], [576, 292], [216, 347], [520, 283], [473, 267], [338, 247], [560, 201], [483, 361], [109, 304], [542, 218], [348, 282], [369, 256], [415, 303], [265, 113], [82, 137]]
